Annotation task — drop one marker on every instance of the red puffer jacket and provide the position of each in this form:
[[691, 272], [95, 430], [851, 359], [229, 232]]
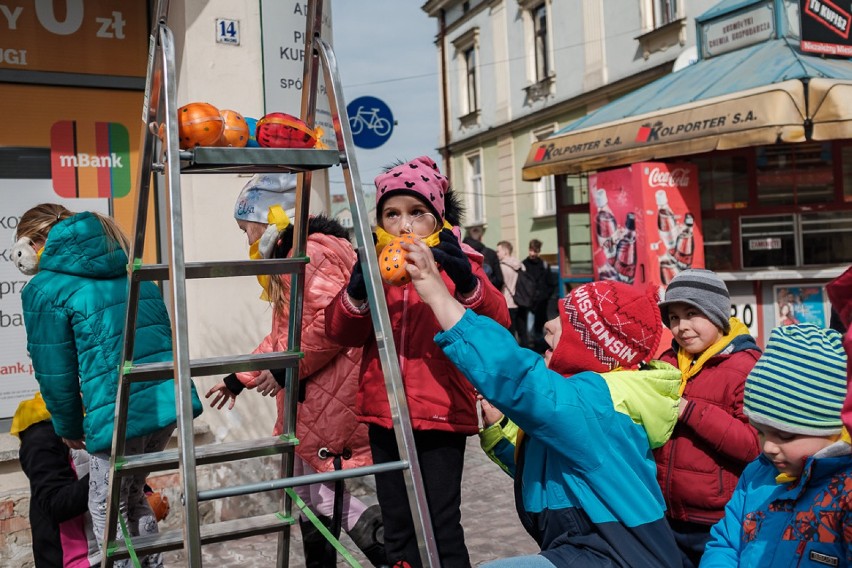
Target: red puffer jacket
[[326, 418], [840, 293], [438, 395], [698, 468]]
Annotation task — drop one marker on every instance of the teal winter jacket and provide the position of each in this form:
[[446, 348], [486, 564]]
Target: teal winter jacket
[[74, 311]]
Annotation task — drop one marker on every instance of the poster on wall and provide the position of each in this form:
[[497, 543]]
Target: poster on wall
[[825, 27], [795, 304], [17, 381]]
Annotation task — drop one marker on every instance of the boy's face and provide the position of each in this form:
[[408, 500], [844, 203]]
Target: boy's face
[[788, 451], [552, 334], [502, 252], [692, 330]]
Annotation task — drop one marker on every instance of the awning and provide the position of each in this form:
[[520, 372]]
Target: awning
[[748, 97]]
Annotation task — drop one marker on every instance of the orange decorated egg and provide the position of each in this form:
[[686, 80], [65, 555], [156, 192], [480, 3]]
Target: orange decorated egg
[[281, 130], [236, 132], [199, 124], [392, 261]]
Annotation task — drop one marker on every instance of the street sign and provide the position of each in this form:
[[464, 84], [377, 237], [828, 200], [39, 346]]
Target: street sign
[[371, 121]]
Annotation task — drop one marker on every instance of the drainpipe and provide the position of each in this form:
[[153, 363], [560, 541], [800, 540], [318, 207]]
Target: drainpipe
[[442, 35]]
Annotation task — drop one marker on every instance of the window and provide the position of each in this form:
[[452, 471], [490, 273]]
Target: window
[[544, 194], [573, 227], [542, 60], [658, 13], [800, 174], [467, 64], [475, 193], [471, 103]]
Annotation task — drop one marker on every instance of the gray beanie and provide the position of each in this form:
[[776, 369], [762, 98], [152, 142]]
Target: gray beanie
[[703, 290]]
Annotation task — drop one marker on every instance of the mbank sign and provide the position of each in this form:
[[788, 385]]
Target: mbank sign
[[104, 160]]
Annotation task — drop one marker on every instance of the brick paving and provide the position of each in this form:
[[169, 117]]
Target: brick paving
[[492, 529]]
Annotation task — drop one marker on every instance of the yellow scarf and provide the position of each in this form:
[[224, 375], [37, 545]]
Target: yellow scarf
[[383, 238], [690, 367], [29, 412], [279, 218]]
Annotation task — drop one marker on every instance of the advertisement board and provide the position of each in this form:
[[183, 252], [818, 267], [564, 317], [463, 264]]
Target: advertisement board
[[825, 26], [796, 303]]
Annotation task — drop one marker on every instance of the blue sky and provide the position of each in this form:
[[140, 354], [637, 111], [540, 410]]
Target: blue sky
[[386, 49]]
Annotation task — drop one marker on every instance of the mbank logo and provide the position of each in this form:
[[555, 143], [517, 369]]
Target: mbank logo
[[80, 165]]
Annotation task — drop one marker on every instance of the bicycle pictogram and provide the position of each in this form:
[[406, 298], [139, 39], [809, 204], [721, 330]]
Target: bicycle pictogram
[[369, 120]]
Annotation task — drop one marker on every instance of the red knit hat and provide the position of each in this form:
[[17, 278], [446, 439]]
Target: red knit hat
[[605, 325]]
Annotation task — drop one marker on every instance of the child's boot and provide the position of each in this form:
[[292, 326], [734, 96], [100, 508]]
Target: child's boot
[[318, 551], [368, 534]]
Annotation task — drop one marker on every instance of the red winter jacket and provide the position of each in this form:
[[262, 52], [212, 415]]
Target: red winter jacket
[[439, 397], [698, 468], [326, 418], [840, 294]]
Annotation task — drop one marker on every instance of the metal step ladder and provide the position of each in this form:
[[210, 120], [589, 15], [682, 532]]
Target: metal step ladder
[[165, 162]]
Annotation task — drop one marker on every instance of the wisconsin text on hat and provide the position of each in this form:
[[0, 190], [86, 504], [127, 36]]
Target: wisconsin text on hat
[[615, 346]]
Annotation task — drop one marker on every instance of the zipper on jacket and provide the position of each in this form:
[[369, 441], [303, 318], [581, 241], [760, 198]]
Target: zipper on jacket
[[669, 473], [800, 552], [721, 480]]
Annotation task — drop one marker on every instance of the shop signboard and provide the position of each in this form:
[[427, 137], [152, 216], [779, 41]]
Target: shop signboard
[[741, 29], [825, 26], [646, 222]]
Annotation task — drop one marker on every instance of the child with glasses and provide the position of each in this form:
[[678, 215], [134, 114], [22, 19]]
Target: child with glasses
[[414, 197]]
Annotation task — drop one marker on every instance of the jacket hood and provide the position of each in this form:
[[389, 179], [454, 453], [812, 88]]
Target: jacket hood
[[79, 246], [650, 396], [319, 224], [513, 263]]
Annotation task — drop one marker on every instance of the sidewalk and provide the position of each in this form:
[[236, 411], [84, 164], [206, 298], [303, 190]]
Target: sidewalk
[[492, 529]]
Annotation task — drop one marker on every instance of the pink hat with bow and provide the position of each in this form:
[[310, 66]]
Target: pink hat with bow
[[420, 178]]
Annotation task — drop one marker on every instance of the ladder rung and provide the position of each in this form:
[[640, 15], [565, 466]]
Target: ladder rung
[[207, 454], [214, 532], [220, 269], [204, 160], [215, 365]]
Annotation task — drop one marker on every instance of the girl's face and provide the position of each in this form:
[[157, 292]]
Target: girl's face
[[407, 214], [552, 334], [692, 330], [252, 229], [788, 451]]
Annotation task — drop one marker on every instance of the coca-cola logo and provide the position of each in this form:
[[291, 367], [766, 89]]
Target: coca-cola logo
[[678, 177]]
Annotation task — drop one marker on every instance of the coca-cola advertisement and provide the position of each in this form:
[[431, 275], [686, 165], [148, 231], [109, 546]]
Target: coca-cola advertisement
[[646, 222]]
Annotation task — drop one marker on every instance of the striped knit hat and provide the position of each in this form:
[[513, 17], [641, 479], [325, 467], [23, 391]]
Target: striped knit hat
[[703, 290], [799, 383]]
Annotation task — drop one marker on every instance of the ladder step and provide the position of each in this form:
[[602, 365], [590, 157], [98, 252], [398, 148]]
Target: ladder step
[[220, 269], [215, 365], [214, 532], [207, 454], [204, 160]]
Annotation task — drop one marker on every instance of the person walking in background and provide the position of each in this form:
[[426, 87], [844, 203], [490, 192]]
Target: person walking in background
[[511, 268], [791, 506], [415, 198], [491, 263], [74, 313], [330, 437], [539, 270], [712, 443], [584, 476], [61, 528]]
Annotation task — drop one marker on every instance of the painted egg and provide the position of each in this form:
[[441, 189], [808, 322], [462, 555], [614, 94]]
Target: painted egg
[[392, 261], [281, 130], [199, 124], [236, 132]]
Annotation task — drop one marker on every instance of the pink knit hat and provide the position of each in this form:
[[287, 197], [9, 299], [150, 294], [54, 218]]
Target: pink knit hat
[[420, 178]]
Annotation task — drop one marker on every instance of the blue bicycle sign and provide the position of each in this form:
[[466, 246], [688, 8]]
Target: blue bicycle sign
[[371, 122]]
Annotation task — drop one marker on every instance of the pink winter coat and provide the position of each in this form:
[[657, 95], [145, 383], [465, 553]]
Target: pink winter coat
[[326, 417], [439, 397]]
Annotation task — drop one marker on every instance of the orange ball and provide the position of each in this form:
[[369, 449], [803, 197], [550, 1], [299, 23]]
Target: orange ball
[[199, 124], [392, 261], [236, 132]]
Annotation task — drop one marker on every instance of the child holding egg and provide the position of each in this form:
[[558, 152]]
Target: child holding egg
[[415, 199]]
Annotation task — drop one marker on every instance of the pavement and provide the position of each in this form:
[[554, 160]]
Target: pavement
[[491, 525]]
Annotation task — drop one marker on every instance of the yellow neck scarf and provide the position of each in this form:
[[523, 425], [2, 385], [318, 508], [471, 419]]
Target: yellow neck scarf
[[689, 366], [262, 247], [29, 412], [383, 237]]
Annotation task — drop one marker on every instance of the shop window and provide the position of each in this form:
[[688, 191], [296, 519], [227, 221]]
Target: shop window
[[574, 226], [846, 161], [475, 194], [800, 174], [768, 241], [723, 181], [717, 244], [544, 194], [826, 237], [573, 190]]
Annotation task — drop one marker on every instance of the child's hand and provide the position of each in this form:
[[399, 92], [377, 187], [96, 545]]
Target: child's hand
[[455, 263], [427, 280], [490, 415], [75, 444], [223, 395], [266, 384], [357, 287]]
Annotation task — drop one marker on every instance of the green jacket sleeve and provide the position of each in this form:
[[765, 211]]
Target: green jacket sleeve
[[50, 341], [498, 442]]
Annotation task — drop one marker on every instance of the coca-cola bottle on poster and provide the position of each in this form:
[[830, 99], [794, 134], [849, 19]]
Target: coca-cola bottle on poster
[[605, 224], [625, 252], [666, 220], [685, 244], [668, 268]]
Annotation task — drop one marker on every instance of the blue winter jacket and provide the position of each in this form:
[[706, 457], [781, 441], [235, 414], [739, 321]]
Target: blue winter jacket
[[806, 523], [585, 478], [74, 311]]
